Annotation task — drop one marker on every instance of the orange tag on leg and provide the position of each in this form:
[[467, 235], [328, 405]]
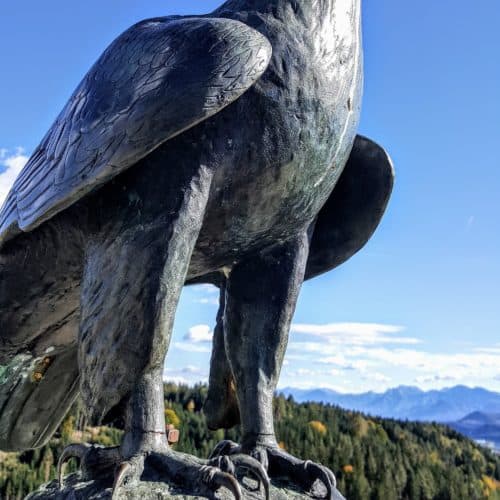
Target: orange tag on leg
[[172, 434]]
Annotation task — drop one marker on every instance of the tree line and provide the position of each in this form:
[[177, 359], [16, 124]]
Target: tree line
[[372, 458]]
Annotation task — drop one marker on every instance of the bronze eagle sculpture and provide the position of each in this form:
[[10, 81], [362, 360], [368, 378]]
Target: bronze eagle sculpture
[[219, 149]]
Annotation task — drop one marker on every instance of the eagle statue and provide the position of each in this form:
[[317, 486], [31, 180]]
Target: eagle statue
[[216, 148]]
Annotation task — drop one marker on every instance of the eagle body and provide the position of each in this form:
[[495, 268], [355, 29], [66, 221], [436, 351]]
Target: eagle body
[[275, 178]]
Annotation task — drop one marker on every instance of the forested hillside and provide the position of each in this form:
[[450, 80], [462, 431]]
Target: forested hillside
[[372, 458]]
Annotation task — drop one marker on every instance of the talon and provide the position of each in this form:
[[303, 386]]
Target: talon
[[216, 478], [71, 451], [224, 463], [333, 479], [225, 447], [323, 474], [120, 476], [255, 467]]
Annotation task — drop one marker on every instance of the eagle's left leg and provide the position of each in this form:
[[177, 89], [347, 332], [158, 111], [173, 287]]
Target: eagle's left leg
[[261, 295], [221, 406]]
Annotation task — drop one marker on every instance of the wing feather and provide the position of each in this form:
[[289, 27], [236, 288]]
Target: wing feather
[[159, 78]]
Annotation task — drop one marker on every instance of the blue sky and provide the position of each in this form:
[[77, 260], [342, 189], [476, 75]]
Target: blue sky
[[419, 304]]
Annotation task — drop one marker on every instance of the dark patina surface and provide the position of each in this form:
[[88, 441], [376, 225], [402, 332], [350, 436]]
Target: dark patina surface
[[216, 148]]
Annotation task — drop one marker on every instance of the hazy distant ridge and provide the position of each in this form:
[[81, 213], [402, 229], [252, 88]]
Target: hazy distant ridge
[[411, 403]]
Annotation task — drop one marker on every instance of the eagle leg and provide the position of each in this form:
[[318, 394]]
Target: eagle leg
[[261, 295], [221, 406], [136, 263]]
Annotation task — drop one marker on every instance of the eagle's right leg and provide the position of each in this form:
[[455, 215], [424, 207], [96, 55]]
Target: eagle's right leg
[[137, 257]]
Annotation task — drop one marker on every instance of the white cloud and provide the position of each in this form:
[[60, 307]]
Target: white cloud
[[176, 380], [355, 333], [188, 347], [213, 301], [353, 357], [378, 377], [445, 364], [304, 372], [488, 350], [299, 383], [429, 379], [206, 294], [374, 356], [207, 288], [332, 372], [199, 334], [430, 367], [191, 369], [189, 374], [11, 163]]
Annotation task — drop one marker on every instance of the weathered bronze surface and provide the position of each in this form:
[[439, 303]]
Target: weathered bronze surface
[[217, 148]]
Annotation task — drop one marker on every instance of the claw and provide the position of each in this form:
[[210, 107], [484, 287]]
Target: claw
[[71, 451], [120, 475], [226, 447], [333, 479], [255, 467], [224, 463], [323, 474], [215, 478]]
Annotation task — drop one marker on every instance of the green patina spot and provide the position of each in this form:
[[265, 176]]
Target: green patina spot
[[19, 366]]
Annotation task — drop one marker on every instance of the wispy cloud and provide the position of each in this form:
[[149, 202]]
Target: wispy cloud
[[355, 357], [378, 377], [174, 379], [207, 288], [375, 355], [187, 375], [189, 347], [488, 350], [470, 222], [430, 379], [355, 333], [212, 301], [206, 294], [11, 163]]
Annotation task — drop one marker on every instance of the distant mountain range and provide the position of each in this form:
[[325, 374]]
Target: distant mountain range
[[474, 412], [409, 403]]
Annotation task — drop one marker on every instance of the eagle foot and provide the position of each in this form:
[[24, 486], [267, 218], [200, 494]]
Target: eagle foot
[[96, 462], [211, 474], [281, 465], [202, 476]]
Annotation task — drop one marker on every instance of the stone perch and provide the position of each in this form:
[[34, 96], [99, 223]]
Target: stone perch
[[76, 489]]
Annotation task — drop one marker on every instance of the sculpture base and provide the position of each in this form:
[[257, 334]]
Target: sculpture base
[[75, 489]]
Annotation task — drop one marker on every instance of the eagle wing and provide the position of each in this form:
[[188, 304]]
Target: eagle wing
[[159, 78], [355, 208]]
